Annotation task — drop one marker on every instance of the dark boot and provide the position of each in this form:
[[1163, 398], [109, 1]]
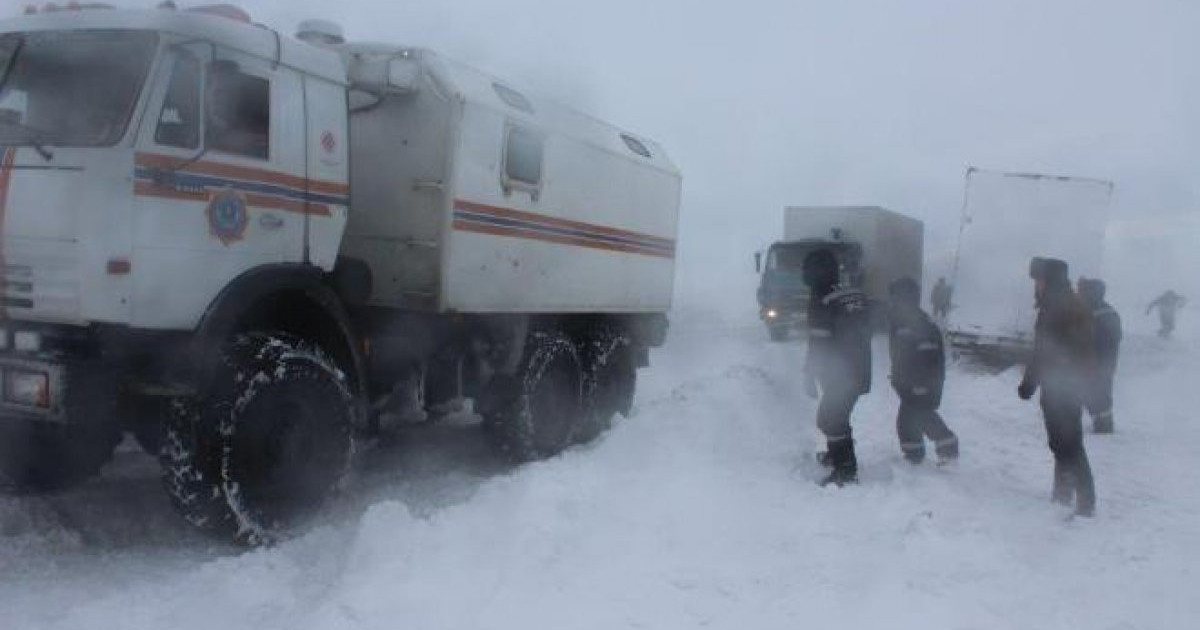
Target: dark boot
[[843, 463], [947, 449], [1064, 484], [1085, 487], [914, 452]]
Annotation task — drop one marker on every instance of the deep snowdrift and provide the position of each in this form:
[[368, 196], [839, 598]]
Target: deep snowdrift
[[698, 511]]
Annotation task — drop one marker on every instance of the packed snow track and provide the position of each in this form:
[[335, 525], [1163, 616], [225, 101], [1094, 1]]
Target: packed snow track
[[699, 511]]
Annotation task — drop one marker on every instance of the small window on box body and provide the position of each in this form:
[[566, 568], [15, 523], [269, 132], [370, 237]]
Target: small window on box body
[[523, 156], [513, 98], [635, 145]]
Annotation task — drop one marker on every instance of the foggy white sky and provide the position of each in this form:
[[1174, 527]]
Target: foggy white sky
[[768, 103]]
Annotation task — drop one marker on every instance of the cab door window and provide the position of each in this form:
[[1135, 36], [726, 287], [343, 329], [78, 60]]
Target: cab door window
[[237, 112], [179, 119]]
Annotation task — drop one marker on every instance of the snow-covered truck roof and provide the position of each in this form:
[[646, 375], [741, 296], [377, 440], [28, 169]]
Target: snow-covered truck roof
[[226, 26], [477, 88], [223, 30]]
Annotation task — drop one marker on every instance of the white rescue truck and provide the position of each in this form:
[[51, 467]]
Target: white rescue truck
[[250, 249]]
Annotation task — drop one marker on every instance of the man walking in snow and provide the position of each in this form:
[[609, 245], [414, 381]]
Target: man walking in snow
[[918, 373], [1106, 331], [940, 299], [1061, 360], [1167, 304], [839, 360]]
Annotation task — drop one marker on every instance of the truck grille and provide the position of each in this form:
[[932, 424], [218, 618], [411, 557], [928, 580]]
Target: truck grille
[[41, 287]]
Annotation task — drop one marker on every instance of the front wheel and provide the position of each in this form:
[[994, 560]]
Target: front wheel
[[267, 445], [777, 332]]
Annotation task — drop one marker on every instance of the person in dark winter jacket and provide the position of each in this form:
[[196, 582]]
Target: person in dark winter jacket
[[918, 373], [1106, 330], [1167, 304], [1062, 358], [839, 359]]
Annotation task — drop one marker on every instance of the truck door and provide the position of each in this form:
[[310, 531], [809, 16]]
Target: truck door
[[219, 180], [328, 186]]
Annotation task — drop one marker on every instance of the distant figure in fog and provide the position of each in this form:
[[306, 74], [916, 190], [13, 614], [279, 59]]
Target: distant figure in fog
[[1167, 304], [940, 298], [918, 373], [1061, 361], [839, 360], [1106, 331]]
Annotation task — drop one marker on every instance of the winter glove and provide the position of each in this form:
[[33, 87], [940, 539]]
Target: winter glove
[[1026, 390]]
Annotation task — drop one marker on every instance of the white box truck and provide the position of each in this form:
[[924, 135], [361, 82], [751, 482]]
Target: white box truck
[[874, 246], [1007, 219], [247, 247]]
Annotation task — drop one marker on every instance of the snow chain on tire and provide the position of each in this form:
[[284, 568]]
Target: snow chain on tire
[[608, 373], [201, 460], [515, 425]]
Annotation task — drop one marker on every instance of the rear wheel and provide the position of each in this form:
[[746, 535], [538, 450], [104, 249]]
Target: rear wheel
[[609, 381], [44, 456], [270, 444], [541, 413]]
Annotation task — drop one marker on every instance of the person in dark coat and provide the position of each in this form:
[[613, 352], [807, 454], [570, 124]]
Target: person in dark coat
[[918, 373], [1061, 360], [839, 359], [940, 299], [1167, 304], [1106, 330]]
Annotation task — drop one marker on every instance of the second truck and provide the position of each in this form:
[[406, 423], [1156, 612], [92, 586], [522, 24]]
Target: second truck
[[873, 245]]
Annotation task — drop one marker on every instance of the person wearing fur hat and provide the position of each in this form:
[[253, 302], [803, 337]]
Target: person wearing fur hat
[[1061, 360], [1106, 330], [839, 360], [918, 374]]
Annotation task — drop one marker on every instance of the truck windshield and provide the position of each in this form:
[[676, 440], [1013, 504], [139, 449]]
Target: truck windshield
[[71, 88]]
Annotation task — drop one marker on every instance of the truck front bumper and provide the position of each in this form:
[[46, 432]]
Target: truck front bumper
[[32, 389]]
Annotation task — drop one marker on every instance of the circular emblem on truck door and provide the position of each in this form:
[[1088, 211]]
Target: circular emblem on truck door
[[227, 216]]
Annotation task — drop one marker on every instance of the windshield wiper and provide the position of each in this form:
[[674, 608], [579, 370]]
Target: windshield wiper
[[35, 138], [35, 134]]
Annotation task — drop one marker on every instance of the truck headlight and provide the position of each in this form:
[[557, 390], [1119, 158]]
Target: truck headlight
[[27, 341], [29, 389], [771, 314]]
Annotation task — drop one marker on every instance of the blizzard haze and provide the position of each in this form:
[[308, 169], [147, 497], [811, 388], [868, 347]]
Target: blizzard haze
[[858, 102], [700, 509]]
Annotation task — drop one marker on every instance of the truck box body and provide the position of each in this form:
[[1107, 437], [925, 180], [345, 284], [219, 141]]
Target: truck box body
[[892, 243], [1008, 219], [444, 225]]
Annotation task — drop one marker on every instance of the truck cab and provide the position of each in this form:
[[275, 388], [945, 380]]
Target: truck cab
[[782, 294]]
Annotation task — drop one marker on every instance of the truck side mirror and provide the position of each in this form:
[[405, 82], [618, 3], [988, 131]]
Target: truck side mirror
[[757, 262]]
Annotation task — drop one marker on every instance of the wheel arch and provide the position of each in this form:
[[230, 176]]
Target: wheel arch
[[292, 298]]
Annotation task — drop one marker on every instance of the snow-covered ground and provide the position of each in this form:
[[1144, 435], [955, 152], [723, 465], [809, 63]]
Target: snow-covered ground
[[697, 512]]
